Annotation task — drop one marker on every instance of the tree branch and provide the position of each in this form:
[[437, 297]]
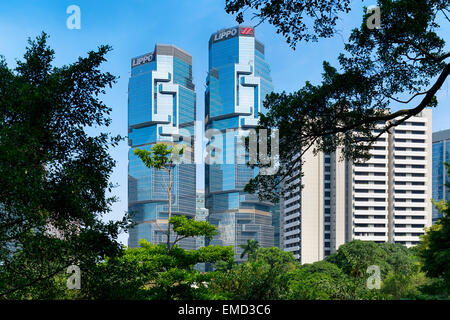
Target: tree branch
[[406, 102], [425, 101], [179, 239]]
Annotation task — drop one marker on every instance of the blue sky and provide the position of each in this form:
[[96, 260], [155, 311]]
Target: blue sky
[[133, 27]]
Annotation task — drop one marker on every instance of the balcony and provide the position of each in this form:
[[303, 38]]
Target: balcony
[[249, 122], [243, 69], [161, 76], [250, 81], [168, 88]]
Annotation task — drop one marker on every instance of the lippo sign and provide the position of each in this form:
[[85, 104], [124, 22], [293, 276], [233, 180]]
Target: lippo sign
[[233, 32], [146, 58]]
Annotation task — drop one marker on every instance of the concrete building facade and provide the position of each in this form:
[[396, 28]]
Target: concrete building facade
[[385, 199]]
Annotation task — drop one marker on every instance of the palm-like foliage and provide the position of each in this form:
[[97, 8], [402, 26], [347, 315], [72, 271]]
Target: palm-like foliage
[[249, 248]]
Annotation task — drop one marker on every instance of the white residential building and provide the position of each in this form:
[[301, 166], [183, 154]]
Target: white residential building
[[385, 199]]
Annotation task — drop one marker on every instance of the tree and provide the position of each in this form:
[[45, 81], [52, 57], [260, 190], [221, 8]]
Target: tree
[[264, 277], [150, 272], [402, 286], [319, 281], [171, 275], [290, 18], [53, 175], [356, 256], [400, 259], [434, 247], [163, 157], [400, 276], [249, 248], [403, 63]]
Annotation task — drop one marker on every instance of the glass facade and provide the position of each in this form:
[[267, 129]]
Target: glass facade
[[441, 154], [237, 83], [161, 108]]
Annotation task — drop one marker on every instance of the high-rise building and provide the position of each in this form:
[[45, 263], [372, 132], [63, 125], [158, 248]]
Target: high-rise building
[[201, 214], [385, 199], [237, 83], [161, 108], [398, 207], [314, 216], [441, 154]]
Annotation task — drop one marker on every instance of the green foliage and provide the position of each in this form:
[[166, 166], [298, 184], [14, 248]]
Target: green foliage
[[223, 266], [249, 248], [399, 259], [295, 20], [354, 257], [248, 281], [319, 281], [54, 177], [400, 286], [185, 227], [276, 258], [172, 276], [434, 249], [153, 272], [163, 157], [264, 277], [148, 272], [433, 289], [310, 286], [160, 156]]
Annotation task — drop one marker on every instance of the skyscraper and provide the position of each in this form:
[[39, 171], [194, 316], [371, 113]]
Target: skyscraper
[[161, 108], [385, 199], [441, 154], [201, 213], [397, 207], [237, 83]]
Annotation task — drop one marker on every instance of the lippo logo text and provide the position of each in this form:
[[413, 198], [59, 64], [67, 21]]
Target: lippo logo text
[[225, 34], [233, 32], [142, 59]]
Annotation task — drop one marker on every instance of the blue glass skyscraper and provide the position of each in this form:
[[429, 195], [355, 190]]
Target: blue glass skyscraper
[[161, 108], [441, 154], [237, 83]]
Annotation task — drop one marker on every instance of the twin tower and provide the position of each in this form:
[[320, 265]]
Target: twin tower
[[162, 108]]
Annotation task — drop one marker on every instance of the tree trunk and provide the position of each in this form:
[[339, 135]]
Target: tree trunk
[[170, 210]]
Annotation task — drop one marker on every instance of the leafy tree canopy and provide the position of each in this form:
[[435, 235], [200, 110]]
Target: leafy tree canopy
[[263, 277], [53, 175], [356, 256], [300, 20], [249, 248], [434, 249], [152, 272]]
